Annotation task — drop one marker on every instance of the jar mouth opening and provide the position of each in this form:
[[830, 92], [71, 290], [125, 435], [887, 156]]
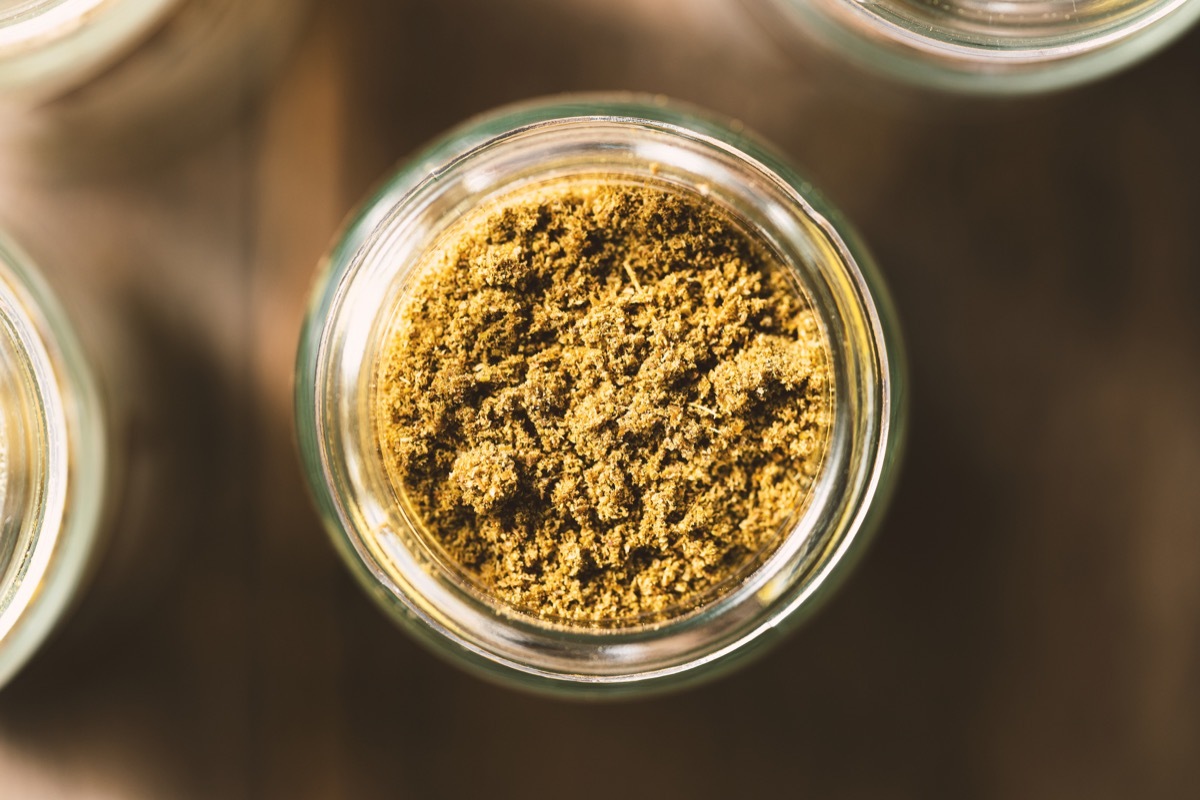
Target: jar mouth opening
[[576, 177], [639, 141]]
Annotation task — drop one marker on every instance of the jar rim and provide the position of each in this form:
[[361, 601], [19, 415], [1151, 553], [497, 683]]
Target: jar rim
[[47, 45], [885, 40], [321, 385], [64, 461]]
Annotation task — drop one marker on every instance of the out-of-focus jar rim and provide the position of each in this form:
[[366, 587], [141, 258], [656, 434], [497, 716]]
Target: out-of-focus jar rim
[[572, 659], [58, 527], [883, 40], [48, 46]]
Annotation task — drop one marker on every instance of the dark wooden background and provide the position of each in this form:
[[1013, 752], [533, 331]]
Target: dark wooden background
[[1027, 624]]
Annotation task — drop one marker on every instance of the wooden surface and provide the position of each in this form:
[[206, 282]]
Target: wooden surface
[[1027, 624]]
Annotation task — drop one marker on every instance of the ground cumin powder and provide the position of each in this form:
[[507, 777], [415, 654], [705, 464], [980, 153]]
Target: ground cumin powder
[[603, 399]]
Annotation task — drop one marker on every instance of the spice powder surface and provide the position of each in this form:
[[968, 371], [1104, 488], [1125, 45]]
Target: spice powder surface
[[603, 399]]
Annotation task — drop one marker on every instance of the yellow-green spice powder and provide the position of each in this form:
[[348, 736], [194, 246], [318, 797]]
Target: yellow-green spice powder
[[603, 399]]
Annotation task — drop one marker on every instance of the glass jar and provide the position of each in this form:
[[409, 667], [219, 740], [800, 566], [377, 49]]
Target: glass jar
[[53, 462], [367, 274], [986, 45], [49, 46]]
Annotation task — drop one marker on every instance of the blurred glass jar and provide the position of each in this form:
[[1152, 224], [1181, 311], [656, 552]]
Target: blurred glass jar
[[109, 82], [50, 46], [988, 46], [53, 462], [367, 274]]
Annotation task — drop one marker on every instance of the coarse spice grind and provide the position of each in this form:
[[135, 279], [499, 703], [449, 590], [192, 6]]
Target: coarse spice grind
[[603, 398], [597, 396]]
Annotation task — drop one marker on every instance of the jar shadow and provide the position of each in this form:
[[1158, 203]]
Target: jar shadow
[[160, 634], [198, 70]]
